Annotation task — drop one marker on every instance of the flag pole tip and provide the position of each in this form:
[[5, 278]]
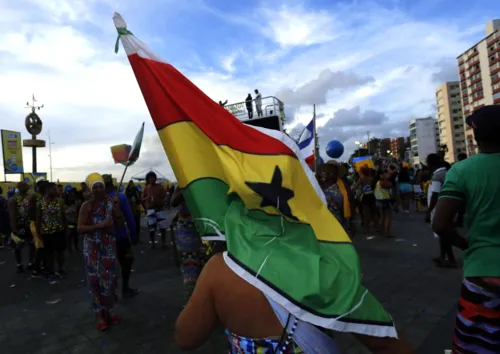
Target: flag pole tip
[[119, 21]]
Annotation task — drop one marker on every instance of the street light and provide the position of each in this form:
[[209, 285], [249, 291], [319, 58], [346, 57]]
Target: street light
[[50, 156]]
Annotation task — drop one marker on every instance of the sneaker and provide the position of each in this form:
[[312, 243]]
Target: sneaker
[[37, 275], [20, 269], [114, 319], [52, 279], [102, 325]]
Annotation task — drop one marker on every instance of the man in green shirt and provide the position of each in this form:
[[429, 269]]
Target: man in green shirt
[[475, 184]]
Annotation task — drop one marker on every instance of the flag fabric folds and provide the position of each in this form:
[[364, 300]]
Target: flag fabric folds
[[126, 154], [251, 186], [306, 143]]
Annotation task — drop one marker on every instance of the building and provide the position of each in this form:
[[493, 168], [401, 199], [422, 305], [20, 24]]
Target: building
[[479, 69], [450, 120], [424, 139], [399, 146]]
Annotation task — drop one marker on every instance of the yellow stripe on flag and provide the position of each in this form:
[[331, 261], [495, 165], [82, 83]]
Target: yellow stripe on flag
[[194, 156]]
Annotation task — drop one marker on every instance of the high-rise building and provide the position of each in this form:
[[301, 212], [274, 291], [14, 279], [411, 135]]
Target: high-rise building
[[424, 139], [450, 120], [479, 69], [399, 146]]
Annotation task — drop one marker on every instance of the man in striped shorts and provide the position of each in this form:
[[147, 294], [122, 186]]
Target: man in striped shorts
[[475, 184]]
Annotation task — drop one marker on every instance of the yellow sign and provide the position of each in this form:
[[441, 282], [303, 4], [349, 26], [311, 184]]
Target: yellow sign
[[12, 152]]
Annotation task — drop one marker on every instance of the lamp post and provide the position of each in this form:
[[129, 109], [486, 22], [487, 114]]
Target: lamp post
[[50, 156]]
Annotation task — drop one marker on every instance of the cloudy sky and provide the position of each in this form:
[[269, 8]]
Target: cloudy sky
[[367, 65]]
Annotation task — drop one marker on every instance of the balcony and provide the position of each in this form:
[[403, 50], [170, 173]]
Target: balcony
[[271, 107], [494, 61], [493, 39]]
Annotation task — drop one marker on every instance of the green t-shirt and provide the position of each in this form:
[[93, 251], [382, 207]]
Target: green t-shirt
[[476, 181]]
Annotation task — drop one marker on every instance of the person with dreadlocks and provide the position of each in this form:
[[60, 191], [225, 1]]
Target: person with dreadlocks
[[154, 198]]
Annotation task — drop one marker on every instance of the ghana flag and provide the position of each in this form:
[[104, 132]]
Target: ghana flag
[[250, 186]]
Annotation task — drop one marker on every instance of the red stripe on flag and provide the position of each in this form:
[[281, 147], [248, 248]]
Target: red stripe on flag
[[172, 98]]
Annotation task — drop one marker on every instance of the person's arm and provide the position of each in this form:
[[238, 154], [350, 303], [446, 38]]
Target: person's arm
[[129, 217], [63, 214], [435, 189], [451, 201], [13, 215], [117, 214], [83, 217], [38, 219], [191, 329], [177, 198], [385, 345]]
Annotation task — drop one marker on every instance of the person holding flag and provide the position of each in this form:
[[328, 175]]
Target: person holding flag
[[289, 267]]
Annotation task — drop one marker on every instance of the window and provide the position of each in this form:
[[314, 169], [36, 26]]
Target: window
[[456, 110], [457, 126], [456, 119]]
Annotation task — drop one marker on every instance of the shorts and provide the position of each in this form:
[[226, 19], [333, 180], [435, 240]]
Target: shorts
[[405, 188], [157, 218], [124, 251], [368, 199], [55, 241], [36, 237], [384, 204], [476, 326]]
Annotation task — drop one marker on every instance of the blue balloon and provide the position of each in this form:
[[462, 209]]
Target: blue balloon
[[334, 149], [67, 188]]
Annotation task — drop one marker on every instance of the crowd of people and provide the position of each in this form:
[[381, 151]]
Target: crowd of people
[[48, 222]]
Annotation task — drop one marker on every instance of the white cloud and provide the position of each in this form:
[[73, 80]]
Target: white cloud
[[62, 51], [296, 26]]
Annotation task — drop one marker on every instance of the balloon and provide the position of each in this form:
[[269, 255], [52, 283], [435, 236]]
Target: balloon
[[67, 188], [334, 149]]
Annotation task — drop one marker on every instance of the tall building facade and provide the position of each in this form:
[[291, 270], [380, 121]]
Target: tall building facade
[[450, 120], [424, 139], [399, 146], [479, 69]]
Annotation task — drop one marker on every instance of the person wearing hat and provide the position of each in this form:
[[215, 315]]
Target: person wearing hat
[[123, 242], [154, 198], [474, 183], [96, 222]]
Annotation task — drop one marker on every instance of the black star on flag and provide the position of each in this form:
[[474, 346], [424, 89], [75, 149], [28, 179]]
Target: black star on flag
[[274, 194]]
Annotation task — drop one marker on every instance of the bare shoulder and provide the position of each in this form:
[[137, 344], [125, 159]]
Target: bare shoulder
[[85, 206]]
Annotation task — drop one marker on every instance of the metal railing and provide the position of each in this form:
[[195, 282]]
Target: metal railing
[[270, 106]]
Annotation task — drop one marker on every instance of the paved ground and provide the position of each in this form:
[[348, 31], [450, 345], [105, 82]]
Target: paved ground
[[38, 318]]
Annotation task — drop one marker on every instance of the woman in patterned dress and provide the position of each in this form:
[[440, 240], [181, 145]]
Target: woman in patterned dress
[[96, 224], [190, 248]]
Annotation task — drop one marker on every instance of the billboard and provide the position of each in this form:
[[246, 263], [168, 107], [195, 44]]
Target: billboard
[[12, 152]]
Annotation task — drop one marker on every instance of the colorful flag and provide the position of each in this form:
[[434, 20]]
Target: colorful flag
[[306, 143], [121, 153], [125, 154], [251, 186], [359, 162], [136, 146]]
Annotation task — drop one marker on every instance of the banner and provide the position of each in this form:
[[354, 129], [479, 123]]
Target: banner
[[31, 178], [12, 152]]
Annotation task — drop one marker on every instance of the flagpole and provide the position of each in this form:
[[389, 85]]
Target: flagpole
[[123, 176], [316, 157]]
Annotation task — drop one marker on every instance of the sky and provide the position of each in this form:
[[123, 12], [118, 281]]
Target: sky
[[369, 66]]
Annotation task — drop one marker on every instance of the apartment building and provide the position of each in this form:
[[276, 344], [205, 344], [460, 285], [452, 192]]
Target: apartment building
[[450, 120], [424, 139], [398, 147], [479, 69]]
